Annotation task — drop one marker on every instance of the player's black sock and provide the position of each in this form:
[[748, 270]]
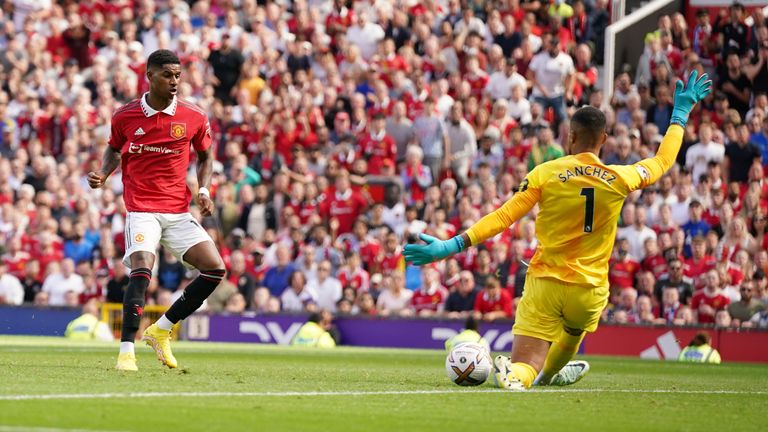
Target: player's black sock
[[194, 295], [133, 303]]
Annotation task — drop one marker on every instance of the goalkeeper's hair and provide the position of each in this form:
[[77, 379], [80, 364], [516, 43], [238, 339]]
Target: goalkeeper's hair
[[161, 58], [589, 123]]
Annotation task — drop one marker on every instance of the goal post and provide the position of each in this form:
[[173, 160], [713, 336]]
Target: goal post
[[624, 39]]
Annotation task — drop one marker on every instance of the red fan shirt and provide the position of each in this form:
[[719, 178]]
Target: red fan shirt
[[718, 301], [503, 302], [423, 300], [346, 207], [622, 273]]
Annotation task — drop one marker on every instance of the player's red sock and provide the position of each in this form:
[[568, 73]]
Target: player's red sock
[[194, 295], [133, 303]]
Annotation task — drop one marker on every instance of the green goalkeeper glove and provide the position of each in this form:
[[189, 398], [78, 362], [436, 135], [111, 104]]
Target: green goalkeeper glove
[[686, 97]]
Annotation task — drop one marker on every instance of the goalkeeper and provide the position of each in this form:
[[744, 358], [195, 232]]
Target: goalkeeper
[[566, 287]]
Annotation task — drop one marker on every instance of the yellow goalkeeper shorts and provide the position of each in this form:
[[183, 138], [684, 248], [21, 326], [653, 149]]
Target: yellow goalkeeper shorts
[[548, 305]]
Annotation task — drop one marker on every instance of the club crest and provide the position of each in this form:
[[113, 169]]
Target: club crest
[[178, 130]]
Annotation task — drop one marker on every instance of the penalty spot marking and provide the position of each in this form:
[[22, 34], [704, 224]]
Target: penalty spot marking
[[27, 397]]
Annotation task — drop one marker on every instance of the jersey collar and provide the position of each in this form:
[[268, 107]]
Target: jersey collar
[[149, 111]]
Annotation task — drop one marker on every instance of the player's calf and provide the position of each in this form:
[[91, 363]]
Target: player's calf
[[194, 295]]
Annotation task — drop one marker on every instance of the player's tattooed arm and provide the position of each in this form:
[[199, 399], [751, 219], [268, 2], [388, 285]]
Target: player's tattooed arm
[[109, 164], [204, 173]]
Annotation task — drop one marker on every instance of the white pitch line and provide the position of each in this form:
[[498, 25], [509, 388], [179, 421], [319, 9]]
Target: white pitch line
[[44, 429], [26, 397]]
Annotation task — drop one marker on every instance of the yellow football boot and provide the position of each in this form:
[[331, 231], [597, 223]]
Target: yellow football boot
[[160, 341], [126, 362]]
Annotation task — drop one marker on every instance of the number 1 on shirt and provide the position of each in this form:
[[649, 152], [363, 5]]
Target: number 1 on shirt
[[589, 208]]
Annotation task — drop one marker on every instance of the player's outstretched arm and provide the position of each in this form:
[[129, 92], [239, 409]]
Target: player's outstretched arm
[[686, 97], [204, 173], [109, 163], [490, 225]]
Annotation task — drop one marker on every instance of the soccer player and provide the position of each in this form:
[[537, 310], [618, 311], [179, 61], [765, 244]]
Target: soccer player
[[566, 286], [150, 139]]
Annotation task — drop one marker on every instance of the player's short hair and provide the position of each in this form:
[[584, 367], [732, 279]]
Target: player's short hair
[[161, 58], [589, 123]]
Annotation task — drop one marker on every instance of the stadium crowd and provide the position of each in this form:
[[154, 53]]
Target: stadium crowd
[[343, 129]]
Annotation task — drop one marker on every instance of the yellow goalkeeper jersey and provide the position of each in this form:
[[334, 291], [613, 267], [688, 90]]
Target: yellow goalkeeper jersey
[[580, 200]]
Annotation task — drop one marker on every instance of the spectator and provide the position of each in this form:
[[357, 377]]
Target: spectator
[[675, 278], [298, 297], [710, 299], [365, 35], [327, 288], [343, 206], [660, 112], [353, 275], [277, 277], [637, 233], [493, 302], [623, 267], [226, 68], [59, 283], [118, 282], [644, 310], [431, 137], [429, 299], [747, 307], [723, 319], [31, 281], [461, 302], [503, 81], [699, 263], [461, 144], [551, 73], [544, 149], [671, 307], [11, 290], [238, 275], [416, 177], [394, 299], [705, 151], [740, 154], [217, 301], [170, 271], [235, 304], [401, 129]]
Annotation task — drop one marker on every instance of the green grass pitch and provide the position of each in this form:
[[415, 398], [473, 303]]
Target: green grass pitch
[[49, 384]]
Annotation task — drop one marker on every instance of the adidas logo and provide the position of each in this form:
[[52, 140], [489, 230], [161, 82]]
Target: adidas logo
[[139, 131], [668, 348]]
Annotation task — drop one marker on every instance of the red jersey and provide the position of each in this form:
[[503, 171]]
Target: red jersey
[[422, 300], [17, 263], [388, 262], [484, 303], [655, 264], [622, 273], [477, 82], [376, 151], [718, 301], [358, 279], [345, 207], [155, 153], [694, 269]]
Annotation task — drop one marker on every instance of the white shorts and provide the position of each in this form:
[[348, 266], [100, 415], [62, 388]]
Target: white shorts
[[177, 232]]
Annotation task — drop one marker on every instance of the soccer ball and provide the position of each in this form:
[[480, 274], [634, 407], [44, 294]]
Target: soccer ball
[[468, 364]]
